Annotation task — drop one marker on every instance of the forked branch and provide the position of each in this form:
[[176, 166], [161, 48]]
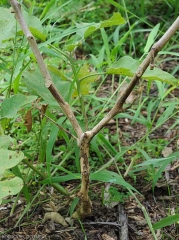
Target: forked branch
[[84, 139]]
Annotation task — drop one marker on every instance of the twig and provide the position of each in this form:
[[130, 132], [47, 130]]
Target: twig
[[45, 73], [103, 223], [140, 71], [124, 223], [55, 185], [60, 127]]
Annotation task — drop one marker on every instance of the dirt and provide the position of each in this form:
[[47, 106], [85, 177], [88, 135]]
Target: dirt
[[104, 222]]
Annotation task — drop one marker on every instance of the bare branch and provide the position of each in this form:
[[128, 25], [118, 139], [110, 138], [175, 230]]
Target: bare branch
[[140, 71], [48, 80]]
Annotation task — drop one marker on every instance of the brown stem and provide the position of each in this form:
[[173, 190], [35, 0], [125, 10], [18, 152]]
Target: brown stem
[[140, 71], [45, 73], [84, 207]]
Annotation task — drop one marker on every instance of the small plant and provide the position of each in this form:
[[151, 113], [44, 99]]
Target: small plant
[[116, 196], [32, 87]]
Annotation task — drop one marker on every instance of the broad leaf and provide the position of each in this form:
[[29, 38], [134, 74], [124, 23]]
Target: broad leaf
[[36, 33], [85, 80], [6, 141], [7, 26], [90, 30], [34, 25], [10, 187], [35, 82], [116, 19], [9, 159], [128, 66], [10, 106], [86, 29]]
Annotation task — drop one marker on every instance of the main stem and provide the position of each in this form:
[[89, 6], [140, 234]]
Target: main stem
[[84, 207]]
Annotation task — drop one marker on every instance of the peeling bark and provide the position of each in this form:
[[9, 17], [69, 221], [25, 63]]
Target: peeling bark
[[84, 207]]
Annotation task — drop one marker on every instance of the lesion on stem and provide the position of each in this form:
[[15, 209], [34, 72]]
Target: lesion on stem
[[84, 206]]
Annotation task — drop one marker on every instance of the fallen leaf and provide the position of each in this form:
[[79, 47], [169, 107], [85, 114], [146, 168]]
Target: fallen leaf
[[167, 151], [107, 237], [55, 217]]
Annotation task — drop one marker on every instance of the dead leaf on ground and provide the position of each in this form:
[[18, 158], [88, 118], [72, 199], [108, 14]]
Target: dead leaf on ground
[[55, 217], [107, 237], [167, 151]]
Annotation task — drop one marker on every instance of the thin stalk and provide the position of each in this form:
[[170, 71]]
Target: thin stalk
[[43, 176]]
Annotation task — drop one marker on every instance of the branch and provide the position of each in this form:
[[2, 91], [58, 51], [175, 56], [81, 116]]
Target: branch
[[140, 71], [47, 78]]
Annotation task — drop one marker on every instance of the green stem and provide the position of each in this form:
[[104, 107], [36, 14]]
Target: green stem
[[59, 188]]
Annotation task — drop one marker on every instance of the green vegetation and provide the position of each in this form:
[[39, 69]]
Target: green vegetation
[[91, 50]]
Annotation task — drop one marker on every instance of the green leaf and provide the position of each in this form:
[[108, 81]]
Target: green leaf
[[166, 114], [107, 144], [34, 25], [159, 172], [10, 106], [35, 82], [85, 80], [155, 162], [10, 187], [9, 159], [90, 30], [116, 19], [7, 26], [64, 178], [47, 7], [111, 177], [103, 176], [128, 66], [73, 205], [86, 29], [6, 141], [151, 38], [57, 72], [71, 47], [159, 75], [36, 33], [166, 221]]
